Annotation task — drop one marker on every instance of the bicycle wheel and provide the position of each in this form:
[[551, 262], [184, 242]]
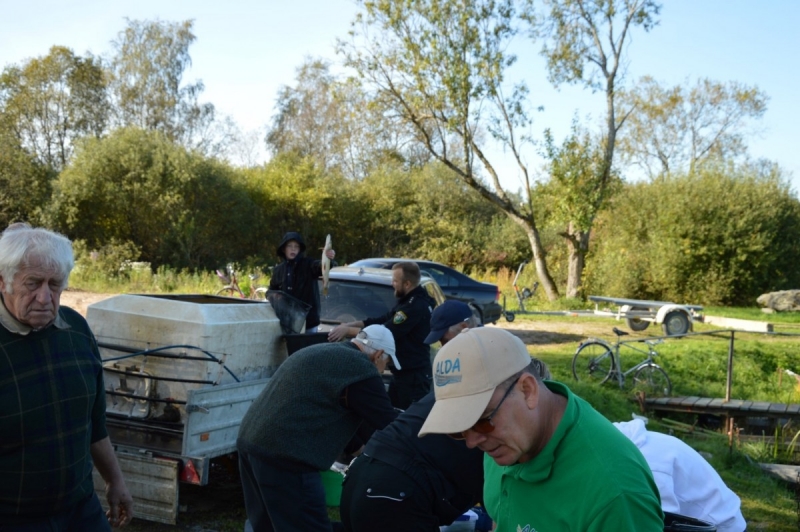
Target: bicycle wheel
[[260, 294], [229, 292], [652, 380], [593, 362]]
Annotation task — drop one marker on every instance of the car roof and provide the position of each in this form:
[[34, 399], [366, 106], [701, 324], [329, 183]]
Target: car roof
[[391, 260], [351, 273], [365, 275]]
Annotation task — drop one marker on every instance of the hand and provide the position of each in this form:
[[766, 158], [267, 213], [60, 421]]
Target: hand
[[120, 505], [330, 254], [338, 333]]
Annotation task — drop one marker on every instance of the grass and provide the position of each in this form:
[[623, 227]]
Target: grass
[[697, 366]]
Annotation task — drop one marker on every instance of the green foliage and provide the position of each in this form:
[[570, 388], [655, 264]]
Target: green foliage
[[137, 186], [678, 129], [49, 102], [111, 261], [723, 236], [147, 89], [25, 183]]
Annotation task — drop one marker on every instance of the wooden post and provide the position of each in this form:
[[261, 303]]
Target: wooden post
[[728, 385]]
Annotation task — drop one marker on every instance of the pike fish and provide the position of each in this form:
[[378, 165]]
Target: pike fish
[[326, 266]]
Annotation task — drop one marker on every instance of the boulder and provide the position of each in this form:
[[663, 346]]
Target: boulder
[[784, 300]]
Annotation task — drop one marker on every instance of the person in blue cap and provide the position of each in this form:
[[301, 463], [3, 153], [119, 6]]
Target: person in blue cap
[[449, 319]]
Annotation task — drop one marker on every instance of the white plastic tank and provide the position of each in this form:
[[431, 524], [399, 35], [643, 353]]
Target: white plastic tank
[[238, 339]]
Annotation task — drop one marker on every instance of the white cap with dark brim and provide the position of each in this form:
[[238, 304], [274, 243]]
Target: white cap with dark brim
[[467, 370]]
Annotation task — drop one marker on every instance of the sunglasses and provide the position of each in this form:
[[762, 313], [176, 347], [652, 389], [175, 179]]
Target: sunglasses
[[484, 425]]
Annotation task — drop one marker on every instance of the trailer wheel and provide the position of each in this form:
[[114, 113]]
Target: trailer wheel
[[509, 317], [637, 324], [675, 323]]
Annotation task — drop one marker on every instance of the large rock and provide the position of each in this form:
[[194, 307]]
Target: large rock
[[780, 301]]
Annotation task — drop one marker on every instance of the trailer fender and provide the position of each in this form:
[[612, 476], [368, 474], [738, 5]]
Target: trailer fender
[[675, 320], [666, 309]]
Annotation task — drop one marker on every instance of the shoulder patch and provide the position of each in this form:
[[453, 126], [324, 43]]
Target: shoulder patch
[[399, 317]]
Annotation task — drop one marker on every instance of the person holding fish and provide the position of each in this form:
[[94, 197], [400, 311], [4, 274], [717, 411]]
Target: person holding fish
[[297, 275]]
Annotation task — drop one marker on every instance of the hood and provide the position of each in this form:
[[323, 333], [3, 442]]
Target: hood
[[634, 431], [291, 235]]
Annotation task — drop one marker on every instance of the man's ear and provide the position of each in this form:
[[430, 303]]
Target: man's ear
[[530, 390]]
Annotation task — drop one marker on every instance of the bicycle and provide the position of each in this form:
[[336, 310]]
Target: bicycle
[[598, 361], [231, 288]]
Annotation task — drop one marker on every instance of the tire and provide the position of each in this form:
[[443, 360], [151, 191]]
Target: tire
[[593, 362], [675, 323], [652, 380], [637, 324], [510, 317], [228, 292], [260, 294]]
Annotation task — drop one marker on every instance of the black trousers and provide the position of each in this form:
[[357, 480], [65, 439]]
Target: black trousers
[[377, 496], [282, 500], [409, 386]]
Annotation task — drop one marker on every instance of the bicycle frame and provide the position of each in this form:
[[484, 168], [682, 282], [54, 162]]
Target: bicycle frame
[[617, 361], [600, 361], [232, 285]]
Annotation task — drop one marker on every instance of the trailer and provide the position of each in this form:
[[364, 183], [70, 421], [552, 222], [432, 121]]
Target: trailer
[[675, 319], [180, 372]]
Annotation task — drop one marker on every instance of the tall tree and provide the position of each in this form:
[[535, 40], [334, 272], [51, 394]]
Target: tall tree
[[679, 128], [584, 43], [332, 121], [147, 85], [440, 66], [51, 101]]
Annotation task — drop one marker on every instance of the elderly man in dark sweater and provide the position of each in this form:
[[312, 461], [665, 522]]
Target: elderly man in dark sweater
[[316, 402]]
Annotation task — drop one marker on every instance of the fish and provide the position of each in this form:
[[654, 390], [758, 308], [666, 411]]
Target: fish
[[326, 266]]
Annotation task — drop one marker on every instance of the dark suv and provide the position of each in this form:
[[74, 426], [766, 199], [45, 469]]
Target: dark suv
[[357, 293], [484, 297]]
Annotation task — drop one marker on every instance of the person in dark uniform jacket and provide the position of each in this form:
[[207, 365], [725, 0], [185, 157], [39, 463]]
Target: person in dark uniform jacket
[[409, 322], [297, 275]]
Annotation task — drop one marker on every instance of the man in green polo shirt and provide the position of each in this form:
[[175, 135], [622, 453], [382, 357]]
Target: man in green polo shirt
[[551, 461], [52, 399]]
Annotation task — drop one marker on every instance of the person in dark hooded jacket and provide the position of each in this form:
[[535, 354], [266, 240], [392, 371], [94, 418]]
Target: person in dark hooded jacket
[[297, 275]]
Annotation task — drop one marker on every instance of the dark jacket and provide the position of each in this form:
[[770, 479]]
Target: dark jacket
[[299, 277], [448, 471], [410, 323]]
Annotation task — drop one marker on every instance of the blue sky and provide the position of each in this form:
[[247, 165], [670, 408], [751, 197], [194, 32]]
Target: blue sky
[[247, 49]]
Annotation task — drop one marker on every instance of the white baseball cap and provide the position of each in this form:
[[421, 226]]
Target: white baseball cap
[[379, 337], [467, 370]]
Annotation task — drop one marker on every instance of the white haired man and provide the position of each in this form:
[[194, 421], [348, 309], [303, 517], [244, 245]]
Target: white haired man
[[52, 399]]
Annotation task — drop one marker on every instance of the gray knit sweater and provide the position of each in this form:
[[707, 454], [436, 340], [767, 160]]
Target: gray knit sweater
[[298, 416]]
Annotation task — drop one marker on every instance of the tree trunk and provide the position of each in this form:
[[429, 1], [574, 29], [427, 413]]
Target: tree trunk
[[578, 246], [545, 280]]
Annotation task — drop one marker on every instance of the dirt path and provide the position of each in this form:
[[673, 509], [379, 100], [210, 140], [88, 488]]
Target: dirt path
[[79, 300]]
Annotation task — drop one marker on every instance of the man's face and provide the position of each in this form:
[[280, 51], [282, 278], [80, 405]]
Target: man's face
[[399, 284], [291, 249], [512, 439], [452, 332], [36, 294]]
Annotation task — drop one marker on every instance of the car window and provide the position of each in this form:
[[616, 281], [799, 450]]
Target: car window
[[434, 291], [441, 277], [355, 301]]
